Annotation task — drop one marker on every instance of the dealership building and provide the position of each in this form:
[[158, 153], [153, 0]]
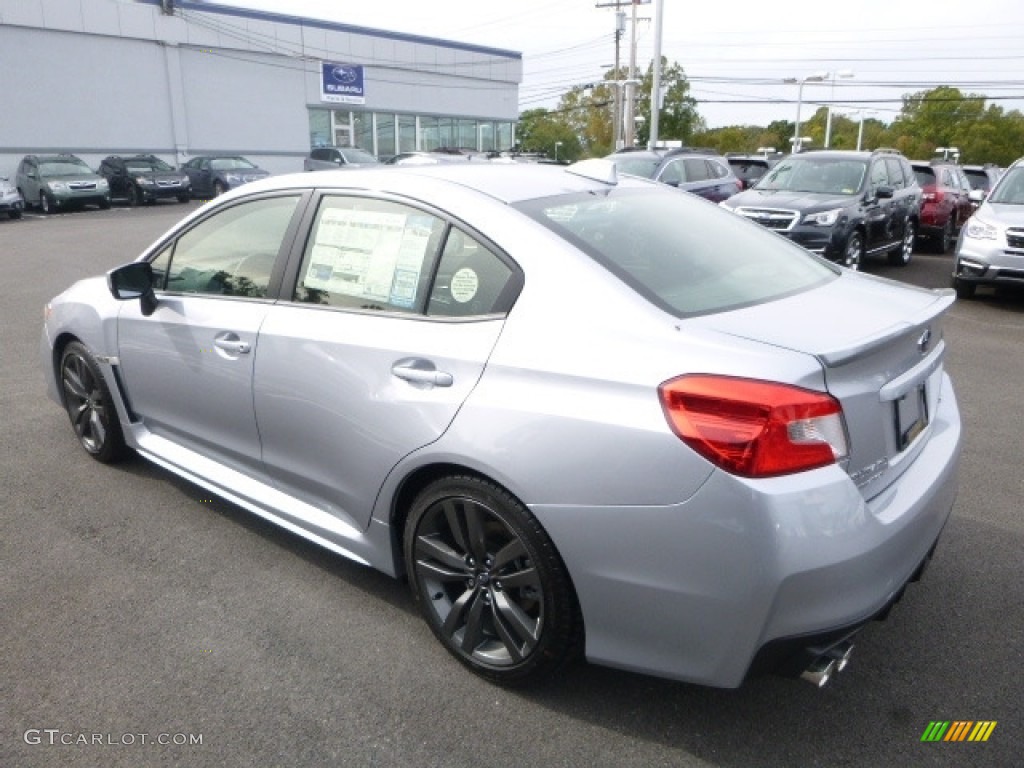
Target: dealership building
[[179, 78]]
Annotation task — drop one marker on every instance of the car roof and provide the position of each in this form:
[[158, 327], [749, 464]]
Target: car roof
[[507, 182]]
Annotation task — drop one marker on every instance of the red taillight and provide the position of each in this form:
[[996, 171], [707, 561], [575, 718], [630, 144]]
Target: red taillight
[[755, 428], [932, 194]]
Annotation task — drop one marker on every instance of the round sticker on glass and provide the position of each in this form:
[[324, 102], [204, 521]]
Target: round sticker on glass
[[464, 285]]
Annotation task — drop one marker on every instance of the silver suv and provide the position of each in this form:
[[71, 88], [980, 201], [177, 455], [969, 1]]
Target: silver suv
[[990, 250], [333, 158]]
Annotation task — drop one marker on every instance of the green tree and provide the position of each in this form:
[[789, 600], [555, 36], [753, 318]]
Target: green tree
[[547, 132], [678, 119]]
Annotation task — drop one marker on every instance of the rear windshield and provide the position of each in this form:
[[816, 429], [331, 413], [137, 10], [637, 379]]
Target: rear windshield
[[637, 166], [925, 176], [354, 155], [978, 179], [680, 252]]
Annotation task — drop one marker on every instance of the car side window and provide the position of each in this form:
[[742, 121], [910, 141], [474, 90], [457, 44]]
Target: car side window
[[696, 169], [231, 253], [879, 175], [895, 173], [672, 173], [471, 279], [369, 254], [718, 170]]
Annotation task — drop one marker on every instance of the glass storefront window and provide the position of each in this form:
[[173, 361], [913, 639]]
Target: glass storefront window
[[467, 134], [385, 135], [428, 134], [319, 128], [486, 136], [406, 133], [505, 141], [362, 130]]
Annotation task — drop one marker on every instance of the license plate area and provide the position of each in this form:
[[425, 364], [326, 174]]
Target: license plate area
[[910, 415]]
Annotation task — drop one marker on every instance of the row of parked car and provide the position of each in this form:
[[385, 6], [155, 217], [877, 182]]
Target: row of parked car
[[65, 181]]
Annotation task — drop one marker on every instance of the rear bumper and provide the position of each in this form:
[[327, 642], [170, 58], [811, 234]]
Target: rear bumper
[[695, 591]]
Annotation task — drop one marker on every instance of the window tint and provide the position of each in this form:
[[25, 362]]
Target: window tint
[[471, 279], [232, 253], [369, 254], [718, 170], [672, 173]]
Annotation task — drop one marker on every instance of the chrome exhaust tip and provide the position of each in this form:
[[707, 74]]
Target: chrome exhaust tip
[[820, 671], [841, 654]]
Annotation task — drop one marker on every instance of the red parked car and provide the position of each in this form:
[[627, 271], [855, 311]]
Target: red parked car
[[946, 205]]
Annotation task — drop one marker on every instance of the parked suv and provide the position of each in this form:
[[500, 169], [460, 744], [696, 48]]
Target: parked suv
[[55, 182], [946, 203], [702, 172], [990, 249], [750, 168], [332, 158], [144, 179], [842, 205]]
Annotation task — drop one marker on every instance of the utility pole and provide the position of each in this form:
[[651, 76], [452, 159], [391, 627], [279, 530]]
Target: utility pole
[[659, 17], [624, 127]]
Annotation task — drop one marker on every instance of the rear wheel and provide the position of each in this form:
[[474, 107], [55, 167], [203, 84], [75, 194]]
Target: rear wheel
[[945, 240], [489, 581], [89, 405], [854, 251]]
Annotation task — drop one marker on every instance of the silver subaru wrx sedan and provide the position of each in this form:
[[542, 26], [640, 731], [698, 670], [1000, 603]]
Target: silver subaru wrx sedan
[[583, 415]]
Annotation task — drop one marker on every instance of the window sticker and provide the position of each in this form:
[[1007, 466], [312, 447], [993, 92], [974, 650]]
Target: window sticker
[[371, 255], [464, 285]]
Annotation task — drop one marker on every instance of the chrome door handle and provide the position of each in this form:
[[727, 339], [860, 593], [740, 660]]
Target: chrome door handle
[[235, 345], [415, 373]]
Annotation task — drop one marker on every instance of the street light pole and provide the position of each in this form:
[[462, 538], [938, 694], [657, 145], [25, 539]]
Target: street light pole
[[828, 119], [799, 101], [557, 145]]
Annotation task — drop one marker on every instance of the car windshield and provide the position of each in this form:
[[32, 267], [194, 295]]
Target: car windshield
[[231, 164], [353, 155], [833, 176], [1010, 189], [637, 166], [144, 165], [63, 168], [679, 253]]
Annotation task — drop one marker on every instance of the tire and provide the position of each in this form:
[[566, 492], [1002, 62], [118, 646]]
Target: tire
[[89, 404], [901, 256], [133, 196], [218, 189], [853, 253], [945, 239], [183, 198], [44, 203], [964, 290], [104, 204], [14, 214], [489, 582]]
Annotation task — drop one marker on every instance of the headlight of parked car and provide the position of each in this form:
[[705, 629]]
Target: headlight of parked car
[[143, 181], [233, 178], [823, 218], [980, 230], [102, 184]]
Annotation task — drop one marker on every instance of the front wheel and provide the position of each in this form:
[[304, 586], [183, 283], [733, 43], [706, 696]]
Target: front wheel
[[89, 405], [854, 251], [219, 189], [14, 213], [945, 240], [44, 203], [964, 290], [901, 256], [489, 581], [183, 198]]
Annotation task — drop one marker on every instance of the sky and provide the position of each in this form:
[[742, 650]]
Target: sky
[[735, 55]]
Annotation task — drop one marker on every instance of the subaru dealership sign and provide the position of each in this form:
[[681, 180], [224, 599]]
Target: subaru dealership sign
[[342, 83]]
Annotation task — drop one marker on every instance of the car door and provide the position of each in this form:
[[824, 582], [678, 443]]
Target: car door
[[187, 367], [878, 210], [28, 181], [367, 363]]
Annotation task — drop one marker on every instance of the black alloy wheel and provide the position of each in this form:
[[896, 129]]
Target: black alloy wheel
[[853, 253], [489, 581], [89, 405], [219, 188]]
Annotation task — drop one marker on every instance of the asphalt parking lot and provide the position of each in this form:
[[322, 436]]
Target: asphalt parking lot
[[137, 609]]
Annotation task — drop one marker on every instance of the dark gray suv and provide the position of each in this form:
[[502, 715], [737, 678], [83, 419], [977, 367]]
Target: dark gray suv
[[839, 204]]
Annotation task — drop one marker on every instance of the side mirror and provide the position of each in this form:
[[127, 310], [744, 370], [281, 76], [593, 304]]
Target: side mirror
[[976, 195], [884, 192], [134, 281]]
